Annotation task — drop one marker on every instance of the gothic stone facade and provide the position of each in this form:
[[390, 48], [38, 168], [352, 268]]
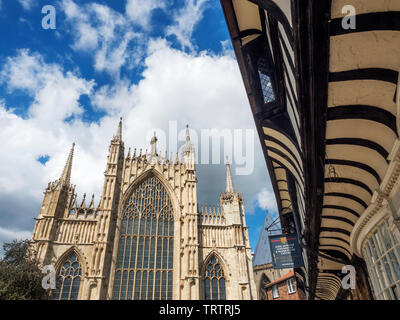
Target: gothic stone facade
[[147, 238]]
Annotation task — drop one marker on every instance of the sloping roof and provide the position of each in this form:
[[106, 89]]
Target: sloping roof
[[286, 276], [262, 253]]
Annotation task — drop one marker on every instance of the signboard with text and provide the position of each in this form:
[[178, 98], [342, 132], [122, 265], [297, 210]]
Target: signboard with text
[[285, 250]]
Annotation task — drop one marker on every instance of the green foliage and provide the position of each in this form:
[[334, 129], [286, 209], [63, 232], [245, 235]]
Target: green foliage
[[20, 275]]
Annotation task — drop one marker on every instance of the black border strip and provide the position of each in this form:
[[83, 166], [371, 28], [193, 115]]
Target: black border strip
[[350, 181], [249, 32], [331, 206], [273, 139], [329, 217], [379, 74], [278, 14], [286, 157], [336, 238], [338, 230], [347, 196], [356, 164], [363, 112], [389, 20], [337, 246], [360, 142]]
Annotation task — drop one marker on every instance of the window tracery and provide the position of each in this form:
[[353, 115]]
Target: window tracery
[[214, 280], [144, 268], [69, 279]]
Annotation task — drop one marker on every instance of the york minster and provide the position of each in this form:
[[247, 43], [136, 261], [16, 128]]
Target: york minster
[[147, 238]]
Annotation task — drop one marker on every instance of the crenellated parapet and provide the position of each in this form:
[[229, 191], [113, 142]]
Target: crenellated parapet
[[211, 215], [75, 211]]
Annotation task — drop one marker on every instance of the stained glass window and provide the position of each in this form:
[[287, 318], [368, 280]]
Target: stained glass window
[[69, 279], [214, 280], [146, 245]]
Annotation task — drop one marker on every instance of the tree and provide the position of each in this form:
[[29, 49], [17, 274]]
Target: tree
[[20, 274]]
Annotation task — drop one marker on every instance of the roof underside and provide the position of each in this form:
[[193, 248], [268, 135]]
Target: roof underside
[[340, 121]]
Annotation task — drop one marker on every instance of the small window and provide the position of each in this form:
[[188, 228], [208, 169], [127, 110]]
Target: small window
[[291, 286], [275, 293], [265, 81]]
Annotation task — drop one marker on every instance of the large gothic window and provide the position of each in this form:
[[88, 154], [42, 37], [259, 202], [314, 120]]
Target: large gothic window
[[214, 280], [68, 279], [144, 266]]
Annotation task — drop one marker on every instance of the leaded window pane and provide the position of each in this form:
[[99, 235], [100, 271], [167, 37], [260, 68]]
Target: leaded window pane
[[75, 288], [137, 285], [144, 285], [147, 225], [265, 81], [133, 254], [150, 286], [127, 249], [68, 279], [159, 252], [383, 262], [169, 296], [157, 286], [164, 285], [130, 285], [123, 285], [117, 284], [222, 289], [214, 280], [66, 289], [207, 291]]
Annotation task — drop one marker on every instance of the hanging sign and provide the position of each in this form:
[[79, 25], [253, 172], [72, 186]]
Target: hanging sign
[[286, 252]]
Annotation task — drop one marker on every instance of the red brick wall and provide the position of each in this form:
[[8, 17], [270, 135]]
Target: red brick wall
[[284, 294]]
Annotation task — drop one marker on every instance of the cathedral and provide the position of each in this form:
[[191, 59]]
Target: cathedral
[[147, 238]]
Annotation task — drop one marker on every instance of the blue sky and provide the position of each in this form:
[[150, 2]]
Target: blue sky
[[151, 62]]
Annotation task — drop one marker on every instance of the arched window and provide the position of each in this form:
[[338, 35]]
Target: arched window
[[214, 280], [263, 291], [144, 267], [68, 279]]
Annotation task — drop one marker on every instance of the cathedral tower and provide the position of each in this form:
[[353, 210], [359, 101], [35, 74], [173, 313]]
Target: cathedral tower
[[105, 231]]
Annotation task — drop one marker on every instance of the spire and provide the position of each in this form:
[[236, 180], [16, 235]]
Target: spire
[[83, 204], [119, 130], [91, 205], [66, 174], [188, 151], [229, 182]]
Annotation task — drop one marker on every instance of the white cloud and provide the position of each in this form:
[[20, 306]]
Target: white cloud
[[26, 4], [55, 94], [140, 11], [114, 39], [11, 234], [103, 32], [43, 131], [266, 200], [185, 20], [203, 90], [8, 235]]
